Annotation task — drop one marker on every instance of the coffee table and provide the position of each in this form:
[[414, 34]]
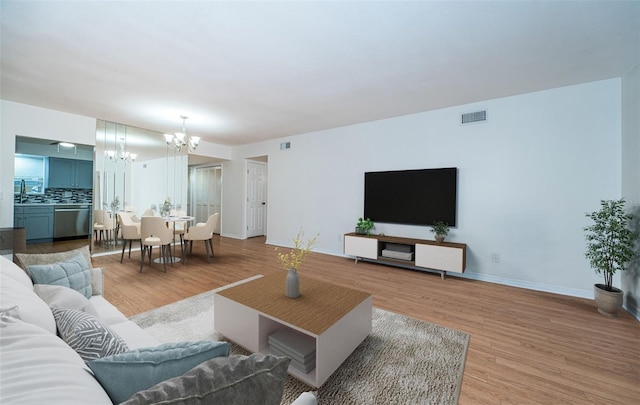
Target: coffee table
[[338, 318]]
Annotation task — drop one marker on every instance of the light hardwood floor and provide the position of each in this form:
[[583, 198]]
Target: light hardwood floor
[[527, 347]]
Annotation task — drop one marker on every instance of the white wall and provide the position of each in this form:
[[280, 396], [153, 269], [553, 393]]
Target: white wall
[[631, 177], [35, 122], [154, 180], [526, 179]]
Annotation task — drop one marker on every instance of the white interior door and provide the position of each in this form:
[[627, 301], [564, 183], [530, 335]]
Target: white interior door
[[206, 196], [256, 198]]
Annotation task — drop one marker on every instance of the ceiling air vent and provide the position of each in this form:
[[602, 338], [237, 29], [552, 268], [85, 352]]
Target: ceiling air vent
[[477, 116]]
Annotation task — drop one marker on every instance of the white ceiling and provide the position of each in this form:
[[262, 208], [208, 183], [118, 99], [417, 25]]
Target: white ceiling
[[249, 71]]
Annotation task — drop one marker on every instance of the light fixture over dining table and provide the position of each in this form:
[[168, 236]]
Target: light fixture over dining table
[[180, 139]]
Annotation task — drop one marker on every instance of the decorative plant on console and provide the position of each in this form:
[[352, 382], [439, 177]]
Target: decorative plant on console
[[292, 260], [440, 229], [364, 226], [610, 247]]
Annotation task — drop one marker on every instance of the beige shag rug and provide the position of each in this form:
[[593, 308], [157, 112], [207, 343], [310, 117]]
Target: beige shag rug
[[402, 361]]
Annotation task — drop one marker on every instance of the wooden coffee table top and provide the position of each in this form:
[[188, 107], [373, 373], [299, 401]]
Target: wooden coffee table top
[[319, 305]]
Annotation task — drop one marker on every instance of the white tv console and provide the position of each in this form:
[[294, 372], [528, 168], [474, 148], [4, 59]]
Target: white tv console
[[428, 255]]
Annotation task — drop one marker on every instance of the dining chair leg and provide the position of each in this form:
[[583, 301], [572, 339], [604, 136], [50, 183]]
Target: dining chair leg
[[184, 258], [206, 245], [150, 253], [130, 242], [163, 254], [211, 244], [182, 247], [142, 249], [122, 255], [171, 253]]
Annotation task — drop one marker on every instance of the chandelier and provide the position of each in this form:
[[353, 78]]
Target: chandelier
[[121, 153], [180, 139]]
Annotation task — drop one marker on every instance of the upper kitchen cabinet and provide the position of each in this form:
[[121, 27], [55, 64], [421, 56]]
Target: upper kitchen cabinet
[[70, 173]]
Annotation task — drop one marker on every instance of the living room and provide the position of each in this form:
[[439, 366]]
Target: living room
[[527, 176]]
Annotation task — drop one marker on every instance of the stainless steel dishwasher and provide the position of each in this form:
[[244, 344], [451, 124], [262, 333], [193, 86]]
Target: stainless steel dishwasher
[[71, 221]]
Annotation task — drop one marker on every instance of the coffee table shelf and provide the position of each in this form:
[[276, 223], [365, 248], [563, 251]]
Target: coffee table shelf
[[337, 318]]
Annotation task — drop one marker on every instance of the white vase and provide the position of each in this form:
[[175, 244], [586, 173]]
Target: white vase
[[293, 284]]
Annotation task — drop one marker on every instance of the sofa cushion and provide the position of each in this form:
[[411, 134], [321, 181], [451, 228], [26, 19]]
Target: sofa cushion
[[32, 309], [238, 380], [124, 374], [58, 296], [39, 368], [107, 312], [86, 334], [72, 273]]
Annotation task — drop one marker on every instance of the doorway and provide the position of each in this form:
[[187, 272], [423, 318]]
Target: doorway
[[206, 193], [256, 215]]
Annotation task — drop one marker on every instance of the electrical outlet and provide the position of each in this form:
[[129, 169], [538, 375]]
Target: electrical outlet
[[495, 257]]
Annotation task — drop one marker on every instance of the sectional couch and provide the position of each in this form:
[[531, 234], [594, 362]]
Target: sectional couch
[[62, 342]]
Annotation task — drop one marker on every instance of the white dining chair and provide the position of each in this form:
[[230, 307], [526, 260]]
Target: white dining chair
[[154, 232], [204, 232], [130, 232]]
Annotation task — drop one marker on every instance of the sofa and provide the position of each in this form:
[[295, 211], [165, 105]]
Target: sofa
[[62, 342]]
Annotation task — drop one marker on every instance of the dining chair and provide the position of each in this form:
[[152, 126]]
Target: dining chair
[[154, 232], [204, 232], [148, 213], [130, 232], [103, 224]]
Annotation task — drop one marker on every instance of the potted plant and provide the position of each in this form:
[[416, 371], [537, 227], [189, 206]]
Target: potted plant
[[364, 226], [440, 229], [610, 247]]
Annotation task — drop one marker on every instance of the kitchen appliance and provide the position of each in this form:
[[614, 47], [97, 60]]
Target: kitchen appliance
[[72, 220]]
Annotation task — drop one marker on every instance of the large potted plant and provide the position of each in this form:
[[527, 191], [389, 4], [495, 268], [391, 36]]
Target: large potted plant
[[610, 247]]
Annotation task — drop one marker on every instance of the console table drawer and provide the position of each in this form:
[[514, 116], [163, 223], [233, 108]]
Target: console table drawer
[[361, 247], [440, 258]]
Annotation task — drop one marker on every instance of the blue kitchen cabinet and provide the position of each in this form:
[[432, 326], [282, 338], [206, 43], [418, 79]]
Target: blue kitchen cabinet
[[37, 220], [70, 173]]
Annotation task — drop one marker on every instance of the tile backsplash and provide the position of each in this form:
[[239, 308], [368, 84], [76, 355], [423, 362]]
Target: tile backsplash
[[58, 195]]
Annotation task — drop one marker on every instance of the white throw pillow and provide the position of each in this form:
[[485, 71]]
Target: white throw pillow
[[58, 296]]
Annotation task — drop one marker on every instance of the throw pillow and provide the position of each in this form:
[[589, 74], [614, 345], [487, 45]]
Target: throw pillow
[[73, 273], [86, 334], [238, 380], [124, 374], [58, 296]]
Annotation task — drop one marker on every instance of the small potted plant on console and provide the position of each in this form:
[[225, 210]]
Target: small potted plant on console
[[364, 226], [440, 229], [610, 247]]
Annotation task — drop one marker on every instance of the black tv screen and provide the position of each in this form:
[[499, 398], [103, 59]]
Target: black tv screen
[[413, 197]]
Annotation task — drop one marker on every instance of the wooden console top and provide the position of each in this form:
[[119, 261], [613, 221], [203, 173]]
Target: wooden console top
[[319, 306], [408, 241]]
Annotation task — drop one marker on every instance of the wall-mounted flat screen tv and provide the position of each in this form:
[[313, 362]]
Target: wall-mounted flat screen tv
[[413, 197]]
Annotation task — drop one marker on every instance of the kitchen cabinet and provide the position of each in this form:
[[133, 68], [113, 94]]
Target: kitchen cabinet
[[70, 173], [37, 220]]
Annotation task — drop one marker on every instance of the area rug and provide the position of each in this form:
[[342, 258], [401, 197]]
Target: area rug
[[402, 361]]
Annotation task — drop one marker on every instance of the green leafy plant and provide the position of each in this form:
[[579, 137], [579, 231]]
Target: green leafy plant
[[610, 242], [440, 228], [366, 225], [295, 257]]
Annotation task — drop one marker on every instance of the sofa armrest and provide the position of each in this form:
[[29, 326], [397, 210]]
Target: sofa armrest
[[97, 281]]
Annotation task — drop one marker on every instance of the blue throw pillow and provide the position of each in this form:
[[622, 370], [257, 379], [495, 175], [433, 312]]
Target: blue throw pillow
[[124, 374], [74, 273]]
